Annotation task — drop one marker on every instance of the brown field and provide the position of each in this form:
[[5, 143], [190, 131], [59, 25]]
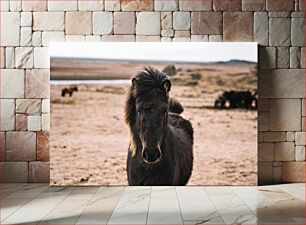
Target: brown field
[[89, 139]]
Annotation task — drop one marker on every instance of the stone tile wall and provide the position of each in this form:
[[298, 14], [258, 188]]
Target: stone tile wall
[[27, 27]]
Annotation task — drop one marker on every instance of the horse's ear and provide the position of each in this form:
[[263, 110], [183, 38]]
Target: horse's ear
[[167, 85], [134, 82]]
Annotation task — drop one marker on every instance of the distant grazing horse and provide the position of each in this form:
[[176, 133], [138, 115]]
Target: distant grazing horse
[[237, 99], [69, 91], [160, 151]]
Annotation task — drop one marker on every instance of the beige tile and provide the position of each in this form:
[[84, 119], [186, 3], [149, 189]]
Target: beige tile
[[12, 83], [10, 28], [170, 5], [112, 5], [48, 21], [43, 146], [34, 5], [2, 146], [284, 151], [143, 28], [265, 152], [119, 38], [7, 114], [293, 172], [265, 173], [91, 5], [28, 106], [20, 146], [14, 172], [34, 123], [137, 5], [274, 83], [21, 122], [124, 22], [204, 5], [74, 38], [24, 57], [41, 58], [143, 38], [39, 172], [78, 23], [232, 6], [105, 18], [37, 83], [45, 122], [300, 138], [285, 115], [58, 5], [52, 36], [181, 21], [238, 26]]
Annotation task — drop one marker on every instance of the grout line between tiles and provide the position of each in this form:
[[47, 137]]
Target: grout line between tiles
[[56, 206], [214, 205], [149, 205], [178, 202], [87, 204], [116, 205]]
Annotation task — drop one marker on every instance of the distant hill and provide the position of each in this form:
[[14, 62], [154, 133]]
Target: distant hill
[[236, 61]]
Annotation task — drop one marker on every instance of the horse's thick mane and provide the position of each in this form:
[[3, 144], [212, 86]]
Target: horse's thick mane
[[148, 85]]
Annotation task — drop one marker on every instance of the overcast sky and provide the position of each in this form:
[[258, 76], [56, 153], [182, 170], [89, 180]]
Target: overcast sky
[[194, 52]]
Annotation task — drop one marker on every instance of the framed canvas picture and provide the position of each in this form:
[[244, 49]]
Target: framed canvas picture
[[153, 113]]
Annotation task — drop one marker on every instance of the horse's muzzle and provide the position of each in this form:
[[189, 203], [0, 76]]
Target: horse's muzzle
[[151, 155]]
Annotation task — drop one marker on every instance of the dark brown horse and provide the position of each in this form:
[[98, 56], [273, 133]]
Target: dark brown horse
[[69, 91], [160, 152]]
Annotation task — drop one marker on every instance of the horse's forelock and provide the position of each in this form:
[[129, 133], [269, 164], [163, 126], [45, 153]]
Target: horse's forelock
[[148, 85]]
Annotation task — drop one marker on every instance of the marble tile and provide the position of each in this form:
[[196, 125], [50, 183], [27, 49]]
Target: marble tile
[[43, 146], [68, 211], [9, 206], [2, 146], [195, 205], [293, 172], [209, 219], [12, 83], [21, 122], [9, 188], [41, 207], [132, 207], [246, 192], [164, 207], [29, 191], [296, 190], [100, 208], [52, 193], [37, 83], [20, 146], [39, 172], [14, 172]]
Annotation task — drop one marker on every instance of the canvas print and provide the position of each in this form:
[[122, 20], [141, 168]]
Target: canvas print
[[153, 114]]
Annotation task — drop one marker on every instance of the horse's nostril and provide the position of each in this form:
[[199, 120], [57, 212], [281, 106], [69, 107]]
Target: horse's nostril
[[157, 154], [151, 155], [145, 155]]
